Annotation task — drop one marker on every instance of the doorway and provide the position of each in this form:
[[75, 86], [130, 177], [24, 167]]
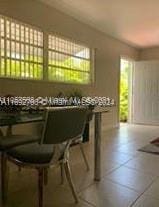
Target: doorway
[[126, 70]]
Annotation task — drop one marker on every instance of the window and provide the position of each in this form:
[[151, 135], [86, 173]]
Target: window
[[28, 53], [21, 50], [68, 61]]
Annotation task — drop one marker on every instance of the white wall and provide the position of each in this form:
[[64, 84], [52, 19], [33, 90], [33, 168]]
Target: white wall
[[108, 52]]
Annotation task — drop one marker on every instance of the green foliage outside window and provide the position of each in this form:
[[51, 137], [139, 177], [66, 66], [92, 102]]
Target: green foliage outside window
[[70, 70], [124, 94], [19, 69]]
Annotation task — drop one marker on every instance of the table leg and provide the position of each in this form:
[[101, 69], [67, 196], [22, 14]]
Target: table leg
[[97, 147]]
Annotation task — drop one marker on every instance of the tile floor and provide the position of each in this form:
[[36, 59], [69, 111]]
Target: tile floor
[[129, 178]]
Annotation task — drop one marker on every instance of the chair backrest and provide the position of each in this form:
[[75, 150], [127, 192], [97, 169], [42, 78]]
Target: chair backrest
[[63, 124]]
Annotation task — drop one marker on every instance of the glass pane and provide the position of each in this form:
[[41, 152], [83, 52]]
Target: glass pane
[[17, 30], [40, 72], [22, 33], [22, 69], [40, 55], [1, 27], [13, 34], [18, 68], [9, 64], [2, 47], [2, 67], [27, 71], [8, 29]]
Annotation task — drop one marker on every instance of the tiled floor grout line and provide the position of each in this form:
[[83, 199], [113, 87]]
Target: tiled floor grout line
[[121, 165], [125, 186], [143, 192], [80, 191], [140, 171], [91, 204]]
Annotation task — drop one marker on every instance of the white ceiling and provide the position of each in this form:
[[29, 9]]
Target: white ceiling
[[135, 22]]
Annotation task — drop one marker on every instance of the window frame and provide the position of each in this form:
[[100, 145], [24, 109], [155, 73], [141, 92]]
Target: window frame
[[8, 39], [45, 57]]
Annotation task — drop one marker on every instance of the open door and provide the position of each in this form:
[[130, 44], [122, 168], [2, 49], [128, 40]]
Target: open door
[[126, 67], [146, 93]]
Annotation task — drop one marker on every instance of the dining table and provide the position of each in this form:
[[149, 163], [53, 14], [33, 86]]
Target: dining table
[[9, 120]]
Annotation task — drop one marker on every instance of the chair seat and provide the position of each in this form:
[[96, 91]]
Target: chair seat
[[15, 140], [35, 153]]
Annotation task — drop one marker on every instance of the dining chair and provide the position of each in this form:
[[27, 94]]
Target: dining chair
[[79, 141], [6, 143], [62, 125]]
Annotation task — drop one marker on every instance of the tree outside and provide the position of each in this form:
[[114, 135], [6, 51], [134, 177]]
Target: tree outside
[[124, 72]]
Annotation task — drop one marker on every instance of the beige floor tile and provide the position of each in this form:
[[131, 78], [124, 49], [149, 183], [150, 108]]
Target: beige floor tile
[[145, 162], [108, 194], [131, 178], [132, 147], [153, 190], [117, 157], [108, 166]]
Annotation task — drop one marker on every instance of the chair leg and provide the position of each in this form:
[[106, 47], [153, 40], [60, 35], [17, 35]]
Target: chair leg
[[46, 176], [69, 178], [4, 178], [40, 185], [84, 156], [62, 173]]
